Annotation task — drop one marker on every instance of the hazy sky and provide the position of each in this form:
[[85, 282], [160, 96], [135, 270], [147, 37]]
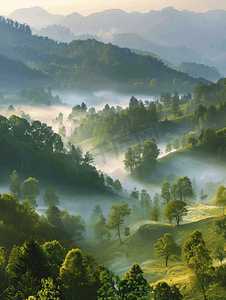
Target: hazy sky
[[91, 6]]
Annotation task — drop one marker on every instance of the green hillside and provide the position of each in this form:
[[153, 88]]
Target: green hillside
[[139, 248], [90, 64]]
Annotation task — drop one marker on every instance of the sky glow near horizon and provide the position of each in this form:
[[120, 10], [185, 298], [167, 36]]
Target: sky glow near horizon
[[91, 6]]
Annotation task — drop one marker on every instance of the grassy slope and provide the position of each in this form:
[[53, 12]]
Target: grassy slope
[[139, 248]]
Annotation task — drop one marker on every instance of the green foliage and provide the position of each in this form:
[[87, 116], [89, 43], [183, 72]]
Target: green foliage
[[26, 266], [165, 191], [30, 187], [221, 196], [176, 144], [169, 147], [165, 292], [134, 194], [74, 225], [100, 228], [199, 261], [155, 213], [175, 209], [51, 196], [117, 185], [116, 217], [142, 158], [127, 232], [15, 185], [95, 216], [167, 248], [77, 276], [55, 253]]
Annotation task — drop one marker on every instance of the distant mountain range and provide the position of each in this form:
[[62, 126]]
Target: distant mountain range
[[178, 36]]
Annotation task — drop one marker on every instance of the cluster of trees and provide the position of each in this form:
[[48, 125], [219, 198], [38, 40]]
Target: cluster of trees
[[37, 96], [141, 160], [16, 68], [197, 258], [36, 146], [115, 184], [112, 122], [181, 189], [14, 24]]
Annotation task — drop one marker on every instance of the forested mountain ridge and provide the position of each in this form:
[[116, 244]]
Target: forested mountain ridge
[[90, 64]]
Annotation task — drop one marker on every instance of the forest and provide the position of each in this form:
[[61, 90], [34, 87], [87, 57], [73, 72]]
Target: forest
[[112, 171]]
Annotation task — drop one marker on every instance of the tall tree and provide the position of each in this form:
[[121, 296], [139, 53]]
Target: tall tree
[[30, 187], [116, 217], [51, 196], [221, 196], [129, 160], [73, 275], [165, 192], [187, 190], [100, 229], [15, 185], [199, 261], [155, 213], [175, 209], [95, 216], [26, 267], [167, 248]]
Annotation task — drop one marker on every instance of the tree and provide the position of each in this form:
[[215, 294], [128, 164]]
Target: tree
[[134, 194], [117, 185], [156, 199], [165, 292], [169, 147], [187, 187], [116, 217], [173, 191], [155, 213], [100, 229], [165, 192], [220, 253], [30, 187], [53, 215], [183, 141], [199, 261], [150, 154], [127, 232], [129, 160], [145, 203], [109, 181], [133, 285], [221, 196], [15, 185], [176, 144], [73, 275], [95, 216], [51, 196], [180, 187], [167, 248], [26, 267], [175, 209], [202, 195], [55, 253], [175, 108]]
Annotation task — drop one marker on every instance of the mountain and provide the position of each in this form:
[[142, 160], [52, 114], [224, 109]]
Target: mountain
[[56, 32], [175, 55], [197, 70], [91, 64], [35, 16], [14, 74]]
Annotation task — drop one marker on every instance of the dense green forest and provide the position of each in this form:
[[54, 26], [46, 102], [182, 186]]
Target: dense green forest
[[90, 64], [165, 238]]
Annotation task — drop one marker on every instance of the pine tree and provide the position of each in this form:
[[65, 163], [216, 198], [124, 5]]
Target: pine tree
[[15, 185]]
